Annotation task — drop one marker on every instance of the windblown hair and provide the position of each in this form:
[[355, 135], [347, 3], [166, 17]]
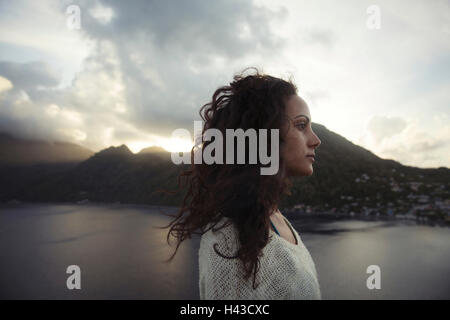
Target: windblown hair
[[237, 191]]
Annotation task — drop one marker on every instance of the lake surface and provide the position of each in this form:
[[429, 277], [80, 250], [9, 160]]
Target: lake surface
[[121, 254]]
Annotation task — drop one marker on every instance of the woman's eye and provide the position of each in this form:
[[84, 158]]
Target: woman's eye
[[301, 125]]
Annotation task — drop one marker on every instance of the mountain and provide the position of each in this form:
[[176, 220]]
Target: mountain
[[343, 173], [25, 163], [345, 169], [154, 149], [17, 151], [110, 175]]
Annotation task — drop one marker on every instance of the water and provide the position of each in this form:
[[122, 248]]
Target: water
[[121, 255], [414, 260]]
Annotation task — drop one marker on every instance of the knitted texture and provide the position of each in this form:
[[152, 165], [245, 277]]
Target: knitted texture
[[286, 272]]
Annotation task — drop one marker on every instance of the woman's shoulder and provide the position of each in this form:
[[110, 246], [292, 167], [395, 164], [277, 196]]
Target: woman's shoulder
[[219, 228], [221, 235]]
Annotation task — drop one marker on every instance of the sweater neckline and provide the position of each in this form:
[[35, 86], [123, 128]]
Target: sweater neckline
[[293, 232], [297, 238]]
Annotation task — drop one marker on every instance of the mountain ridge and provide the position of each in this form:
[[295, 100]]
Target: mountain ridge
[[115, 174]]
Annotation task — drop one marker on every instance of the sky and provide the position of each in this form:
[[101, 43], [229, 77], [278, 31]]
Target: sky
[[101, 73]]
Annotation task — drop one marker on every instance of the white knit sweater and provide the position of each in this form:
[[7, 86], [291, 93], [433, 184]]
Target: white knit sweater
[[287, 271]]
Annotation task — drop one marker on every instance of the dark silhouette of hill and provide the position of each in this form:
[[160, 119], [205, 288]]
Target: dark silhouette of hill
[[341, 162], [25, 163], [115, 174], [153, 149], [16, 151]]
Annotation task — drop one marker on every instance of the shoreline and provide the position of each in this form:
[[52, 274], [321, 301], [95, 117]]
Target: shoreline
[[294, 215]]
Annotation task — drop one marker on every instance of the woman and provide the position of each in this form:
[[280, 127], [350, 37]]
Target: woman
[[235, 207]]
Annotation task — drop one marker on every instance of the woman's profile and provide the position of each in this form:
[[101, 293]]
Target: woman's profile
[[248, 249]]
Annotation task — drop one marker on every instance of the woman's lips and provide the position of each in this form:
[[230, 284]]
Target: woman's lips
[[312, 158]]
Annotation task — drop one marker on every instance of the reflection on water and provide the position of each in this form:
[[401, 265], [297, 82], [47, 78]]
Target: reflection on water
[[414, 259], [121, 255], [118, 251]]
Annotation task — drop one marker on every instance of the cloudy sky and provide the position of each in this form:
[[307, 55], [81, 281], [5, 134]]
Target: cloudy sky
[[375, 72]]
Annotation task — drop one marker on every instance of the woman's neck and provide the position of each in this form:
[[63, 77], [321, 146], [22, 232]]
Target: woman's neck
[[276, 215]]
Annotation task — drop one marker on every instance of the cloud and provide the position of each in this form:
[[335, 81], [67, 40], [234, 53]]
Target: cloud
[[138, 71], [29, 75], [324, 37], [381, 127], [101, 13], [151, 67], [169, 53], [39, 29], [5, 84], [25, 110], [188, 28], [408, 142]]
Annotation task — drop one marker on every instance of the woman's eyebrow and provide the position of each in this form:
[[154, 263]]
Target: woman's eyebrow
[[302, 115]]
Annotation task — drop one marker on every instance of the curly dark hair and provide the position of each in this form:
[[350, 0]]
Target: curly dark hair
[[237, 191]]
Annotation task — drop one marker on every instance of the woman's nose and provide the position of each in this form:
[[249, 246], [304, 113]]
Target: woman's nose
[[316, 141]]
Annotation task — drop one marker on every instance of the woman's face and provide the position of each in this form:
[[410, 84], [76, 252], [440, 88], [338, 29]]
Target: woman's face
[[300, 139]]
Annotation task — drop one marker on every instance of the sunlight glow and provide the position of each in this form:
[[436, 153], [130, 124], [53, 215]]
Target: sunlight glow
[[137, 146], [176, 144]]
